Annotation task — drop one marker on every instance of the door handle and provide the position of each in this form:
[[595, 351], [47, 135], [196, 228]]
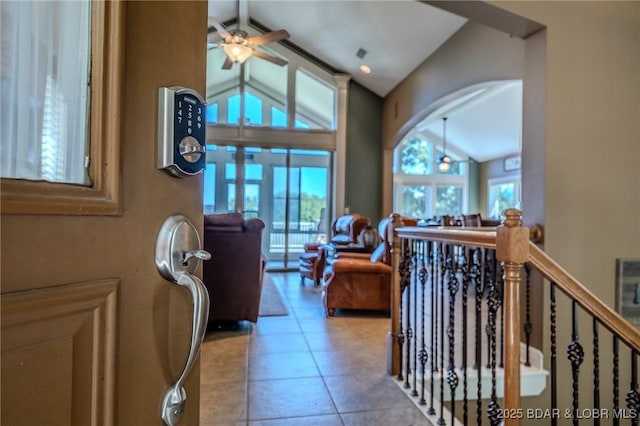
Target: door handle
[[178, 252]]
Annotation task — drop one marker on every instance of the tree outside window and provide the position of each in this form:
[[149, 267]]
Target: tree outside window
[[503, 194], [422, 191]]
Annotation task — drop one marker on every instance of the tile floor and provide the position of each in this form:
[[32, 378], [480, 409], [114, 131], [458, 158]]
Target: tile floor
[[302, 369]]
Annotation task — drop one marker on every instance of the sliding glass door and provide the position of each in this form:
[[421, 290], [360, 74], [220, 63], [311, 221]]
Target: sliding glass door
[[288, 189]]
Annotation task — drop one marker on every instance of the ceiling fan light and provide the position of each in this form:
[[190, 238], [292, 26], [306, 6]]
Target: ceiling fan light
[[444, 164], [237, 53]]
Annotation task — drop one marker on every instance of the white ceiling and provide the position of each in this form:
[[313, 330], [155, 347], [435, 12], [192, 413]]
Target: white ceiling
[[398, 35]]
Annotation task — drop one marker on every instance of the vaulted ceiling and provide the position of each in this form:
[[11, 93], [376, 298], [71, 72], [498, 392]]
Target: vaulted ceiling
[[397, 35]]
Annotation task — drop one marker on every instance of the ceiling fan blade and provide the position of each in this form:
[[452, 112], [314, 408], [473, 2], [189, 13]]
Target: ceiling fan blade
[[227, 64], [268, 37], [215, 25], [275, 60]]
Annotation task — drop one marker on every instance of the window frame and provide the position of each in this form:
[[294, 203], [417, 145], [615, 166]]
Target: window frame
[[106, 85], [514, 178], [434, 180]]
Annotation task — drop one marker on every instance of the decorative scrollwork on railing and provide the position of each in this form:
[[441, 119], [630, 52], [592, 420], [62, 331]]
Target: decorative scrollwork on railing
[[575, 353], [633, 402], [493, 413], [440, 281]]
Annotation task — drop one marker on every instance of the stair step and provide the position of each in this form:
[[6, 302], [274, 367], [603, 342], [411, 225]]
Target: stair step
[[533, 380]]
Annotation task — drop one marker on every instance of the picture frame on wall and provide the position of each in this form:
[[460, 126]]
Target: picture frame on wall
[[628, 289], [512, 163]]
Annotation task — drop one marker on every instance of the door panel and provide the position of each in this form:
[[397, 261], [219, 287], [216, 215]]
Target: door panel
[[144, 320], [67, 335]]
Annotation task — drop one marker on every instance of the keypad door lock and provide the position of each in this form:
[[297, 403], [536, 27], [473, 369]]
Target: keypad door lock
[[181, 131]]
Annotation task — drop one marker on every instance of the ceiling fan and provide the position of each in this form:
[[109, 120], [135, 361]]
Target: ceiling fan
[[239, 46]]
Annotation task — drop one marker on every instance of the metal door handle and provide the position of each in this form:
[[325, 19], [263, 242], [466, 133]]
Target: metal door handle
[[177, 245], [175, 397]]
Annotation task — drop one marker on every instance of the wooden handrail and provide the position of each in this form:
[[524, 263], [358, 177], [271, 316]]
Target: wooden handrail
[[515, 245], [584, 297], [547, 266], [466, 236]]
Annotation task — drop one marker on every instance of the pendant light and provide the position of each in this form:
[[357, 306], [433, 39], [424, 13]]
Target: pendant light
[[444, 162]]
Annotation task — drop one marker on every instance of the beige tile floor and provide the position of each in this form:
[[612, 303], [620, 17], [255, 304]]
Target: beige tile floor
[[302, 369]]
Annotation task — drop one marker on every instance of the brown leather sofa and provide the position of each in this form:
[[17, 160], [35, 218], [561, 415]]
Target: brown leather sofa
[[344, 231], [360, 281], [233, 276]]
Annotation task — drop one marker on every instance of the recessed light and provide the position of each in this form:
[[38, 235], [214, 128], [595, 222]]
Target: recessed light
[[365, 69]]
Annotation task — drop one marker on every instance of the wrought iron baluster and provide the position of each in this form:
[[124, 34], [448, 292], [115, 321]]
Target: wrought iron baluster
[[466, 277], [596, 371], [527, 321], [554, 370], [434, 316], [501, 287], [423, 355], [494, 301], [616, 379], [575, 353], [490, 270], [442, 277], [402, 270], [479, 263], [633, 396], [409, 329], [453, 287]]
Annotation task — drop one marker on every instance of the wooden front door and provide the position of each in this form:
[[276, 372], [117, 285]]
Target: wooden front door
[[91, 333]]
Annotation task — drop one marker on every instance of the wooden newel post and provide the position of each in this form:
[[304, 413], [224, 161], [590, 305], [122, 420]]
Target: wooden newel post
[[393, 349], [512, 250]]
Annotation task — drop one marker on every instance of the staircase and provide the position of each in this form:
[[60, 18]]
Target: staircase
[[458, 346], [533, 382]]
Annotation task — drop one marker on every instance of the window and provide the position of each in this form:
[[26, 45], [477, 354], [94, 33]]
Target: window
[[421, 190], [212, 113], [49, 88], [45, 94], [266, 98], [210, 188], [504, 193]]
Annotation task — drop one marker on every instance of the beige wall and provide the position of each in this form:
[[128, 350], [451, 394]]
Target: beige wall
[[581, 147], [474, 55], [592, 113]]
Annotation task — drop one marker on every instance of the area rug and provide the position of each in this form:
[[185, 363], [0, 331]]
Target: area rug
[[271, 303]]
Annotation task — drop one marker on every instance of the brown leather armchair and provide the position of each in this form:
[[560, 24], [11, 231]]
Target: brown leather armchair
[[233, 276], [360, 281], [344, 231]]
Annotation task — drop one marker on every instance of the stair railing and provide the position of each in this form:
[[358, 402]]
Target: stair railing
[[447, 283]]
